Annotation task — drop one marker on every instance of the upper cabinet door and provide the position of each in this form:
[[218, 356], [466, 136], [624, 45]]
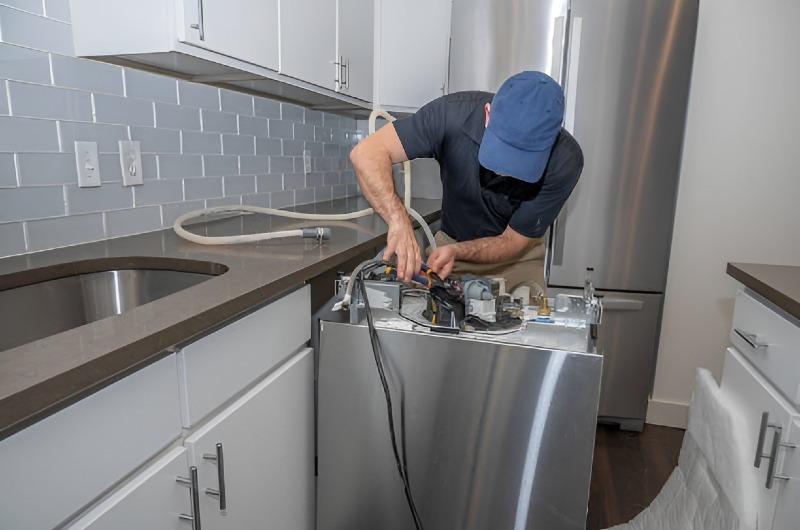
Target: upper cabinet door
[[241, 29], [308, 41], [412, 50], [355, 48]]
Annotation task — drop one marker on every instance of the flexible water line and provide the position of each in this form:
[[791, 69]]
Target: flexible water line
[[318, 233]]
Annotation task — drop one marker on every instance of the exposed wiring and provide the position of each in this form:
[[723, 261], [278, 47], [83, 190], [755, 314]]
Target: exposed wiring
[[402, 464]]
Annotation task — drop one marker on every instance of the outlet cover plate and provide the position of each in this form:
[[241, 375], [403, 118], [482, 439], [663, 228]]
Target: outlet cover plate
[[130, 159], [88, 164]]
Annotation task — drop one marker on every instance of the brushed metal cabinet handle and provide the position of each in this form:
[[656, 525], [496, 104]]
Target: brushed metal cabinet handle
[[200, 26], [195, 495], [773, 458], [751, 339], [218, 494], [762, 435]]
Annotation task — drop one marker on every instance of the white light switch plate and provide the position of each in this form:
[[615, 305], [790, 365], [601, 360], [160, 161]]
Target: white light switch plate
[[130, 159], [88, 164], [306, 162]]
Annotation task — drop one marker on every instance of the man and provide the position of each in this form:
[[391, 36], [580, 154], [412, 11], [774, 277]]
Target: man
[[507, 168]]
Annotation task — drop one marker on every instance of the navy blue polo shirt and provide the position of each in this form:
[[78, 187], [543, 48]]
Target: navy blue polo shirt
[[477, 202]]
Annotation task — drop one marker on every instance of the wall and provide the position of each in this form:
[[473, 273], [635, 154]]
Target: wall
[[739, 184], [201, 146]]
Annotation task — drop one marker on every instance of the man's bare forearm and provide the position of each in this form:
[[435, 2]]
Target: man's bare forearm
[[497, 249]]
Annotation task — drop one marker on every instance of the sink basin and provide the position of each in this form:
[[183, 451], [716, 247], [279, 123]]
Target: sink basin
[[39, 310]]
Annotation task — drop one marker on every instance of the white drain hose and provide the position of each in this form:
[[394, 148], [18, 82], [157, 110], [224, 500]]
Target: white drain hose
[[316, 233]]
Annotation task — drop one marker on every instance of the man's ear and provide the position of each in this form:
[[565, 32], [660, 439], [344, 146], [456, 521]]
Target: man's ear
[[486, 112]]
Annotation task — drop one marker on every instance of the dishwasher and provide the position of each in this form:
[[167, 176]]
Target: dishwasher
[[454, 405]]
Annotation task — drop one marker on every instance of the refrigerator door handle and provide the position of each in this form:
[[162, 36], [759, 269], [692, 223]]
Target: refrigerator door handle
[[572, 66], [569, 81], [622, 304]]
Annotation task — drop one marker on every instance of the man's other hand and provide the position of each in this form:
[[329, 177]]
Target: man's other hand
[[442, 259]]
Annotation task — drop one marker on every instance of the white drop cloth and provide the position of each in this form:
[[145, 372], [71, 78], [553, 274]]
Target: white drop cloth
[[711, 488]]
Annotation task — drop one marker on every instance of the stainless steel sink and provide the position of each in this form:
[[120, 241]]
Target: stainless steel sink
[[32, 312]]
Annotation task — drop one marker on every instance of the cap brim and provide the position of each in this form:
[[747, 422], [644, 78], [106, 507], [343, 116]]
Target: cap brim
[[504, 159]]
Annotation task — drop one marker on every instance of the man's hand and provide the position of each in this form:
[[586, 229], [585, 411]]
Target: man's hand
[[400, 241], [442, 259]]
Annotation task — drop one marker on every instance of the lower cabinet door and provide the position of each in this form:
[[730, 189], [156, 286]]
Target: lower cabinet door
[[265, 443], [153, 499], [787, 512], [754, 396]]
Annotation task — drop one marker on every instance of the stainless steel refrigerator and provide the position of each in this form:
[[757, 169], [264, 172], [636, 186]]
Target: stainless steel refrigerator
[[625, 67]]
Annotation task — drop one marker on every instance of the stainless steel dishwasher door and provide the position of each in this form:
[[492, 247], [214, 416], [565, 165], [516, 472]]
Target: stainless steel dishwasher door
[[497, 436]]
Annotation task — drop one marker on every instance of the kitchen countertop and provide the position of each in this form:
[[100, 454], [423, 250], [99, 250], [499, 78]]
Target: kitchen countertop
[[780, 284], [44, 376]]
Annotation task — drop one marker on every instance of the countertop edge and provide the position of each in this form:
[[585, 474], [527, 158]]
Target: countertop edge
[[763, 288]]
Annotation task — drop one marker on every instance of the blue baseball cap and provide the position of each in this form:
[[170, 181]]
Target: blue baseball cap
[[524, 121]]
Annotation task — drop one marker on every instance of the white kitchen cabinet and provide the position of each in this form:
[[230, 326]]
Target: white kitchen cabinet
[[355, 40], [411, 55], [285, 49], [266, 443], [153, 499], [237, 28], [60, 464], [217, 367], [759, 369], [308, 41]]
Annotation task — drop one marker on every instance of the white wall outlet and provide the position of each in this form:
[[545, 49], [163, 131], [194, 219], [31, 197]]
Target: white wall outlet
[[306, 162], [130, 158], [88, 164]]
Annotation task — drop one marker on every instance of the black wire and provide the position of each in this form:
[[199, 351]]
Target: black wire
[[377, 352]]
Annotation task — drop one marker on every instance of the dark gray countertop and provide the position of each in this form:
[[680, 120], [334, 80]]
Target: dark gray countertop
[[41, 377], [780, 284]]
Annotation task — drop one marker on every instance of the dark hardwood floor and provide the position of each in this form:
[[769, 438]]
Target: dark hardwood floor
[[628, 471]]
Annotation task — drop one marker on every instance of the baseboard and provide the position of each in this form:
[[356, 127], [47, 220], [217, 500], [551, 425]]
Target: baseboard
[[668, 413]]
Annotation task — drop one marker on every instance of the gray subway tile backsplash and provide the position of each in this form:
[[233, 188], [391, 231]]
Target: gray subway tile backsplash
[[202, 146], [27, 135], [200, 96], [12, 239], [57, 9], [45, 234], [128, 111], [99, 199], [201, 143], [281, 129], [154, 140], [236, 103], [53, 103], [33, 31], [22, 204], [41, 169], [132, 221], [155, 87], [202, 188], [180, 166], [23, 64], [8, 171], [177, 117], [238, 144], [158, 192], [87, 75], [32, 6], [267, 108], [106, 137], [238, 185], [220, 122], [220, 165]]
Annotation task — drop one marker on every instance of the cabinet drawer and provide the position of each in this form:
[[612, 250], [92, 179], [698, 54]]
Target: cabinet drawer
[[153, 499], [57, 466], [778, 358], [218, 367], [752, 396]]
